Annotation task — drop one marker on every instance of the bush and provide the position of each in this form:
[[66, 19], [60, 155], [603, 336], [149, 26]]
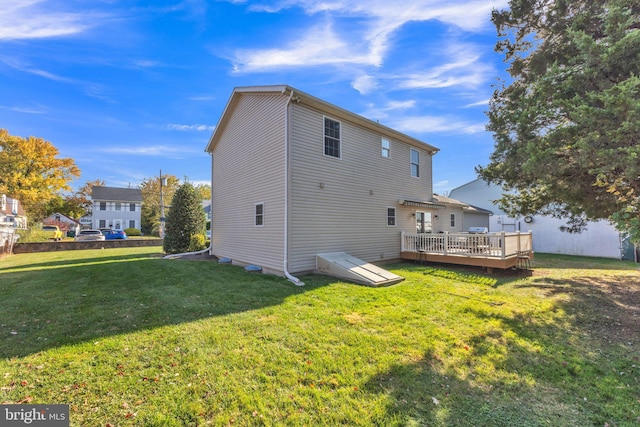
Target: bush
[[133, 232], [185, 219], [33, 234], [197, 243]]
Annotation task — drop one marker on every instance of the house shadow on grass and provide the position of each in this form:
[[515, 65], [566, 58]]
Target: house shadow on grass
[[47, 305]]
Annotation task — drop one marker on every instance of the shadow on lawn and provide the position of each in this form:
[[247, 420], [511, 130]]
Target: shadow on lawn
[[76, 301], [573, 365]]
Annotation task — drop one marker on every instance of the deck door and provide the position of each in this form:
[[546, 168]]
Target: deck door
[[423, 222]]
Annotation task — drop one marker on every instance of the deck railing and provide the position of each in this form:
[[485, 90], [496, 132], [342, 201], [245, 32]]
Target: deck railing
[[491, 245]]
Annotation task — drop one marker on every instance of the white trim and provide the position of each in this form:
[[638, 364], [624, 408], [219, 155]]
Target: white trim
[[255, 214], [324, 135], [383, 148], [411, 151], [395, 216]]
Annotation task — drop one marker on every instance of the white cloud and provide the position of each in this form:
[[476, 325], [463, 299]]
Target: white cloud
[[381, 19], [151, 150], [364, 84], [379, 113], [184, 128], [33, 19], [464, 69], [478, 104], [434, 124], [308, 50]]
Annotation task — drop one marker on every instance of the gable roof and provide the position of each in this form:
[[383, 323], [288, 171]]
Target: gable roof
[[116, 194], [300, 97]]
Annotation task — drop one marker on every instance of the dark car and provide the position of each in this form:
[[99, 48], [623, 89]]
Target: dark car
[[110, 234]]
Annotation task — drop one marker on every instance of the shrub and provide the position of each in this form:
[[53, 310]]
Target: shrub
[[33, 234], [197, 243], [133, 232], [185, 219]]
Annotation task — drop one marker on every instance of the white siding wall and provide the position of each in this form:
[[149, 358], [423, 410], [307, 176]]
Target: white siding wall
[[340, 204], [248, 168]]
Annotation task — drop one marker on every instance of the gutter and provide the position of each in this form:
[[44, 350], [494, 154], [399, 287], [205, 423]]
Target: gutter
[[288, 275]]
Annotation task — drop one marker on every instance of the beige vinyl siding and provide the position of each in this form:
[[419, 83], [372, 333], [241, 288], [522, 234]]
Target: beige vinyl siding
[[443, 222], [248, 168], [341, 204]]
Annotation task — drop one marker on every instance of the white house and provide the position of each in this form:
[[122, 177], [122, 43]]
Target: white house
[[294, 176], [117, 208], [600, 239]]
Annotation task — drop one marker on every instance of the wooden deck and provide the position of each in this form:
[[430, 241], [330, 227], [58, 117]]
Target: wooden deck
[[493, 250]]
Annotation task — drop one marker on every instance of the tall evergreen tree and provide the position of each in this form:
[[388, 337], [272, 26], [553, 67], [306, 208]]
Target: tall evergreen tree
[[567, 126], [185, 220]]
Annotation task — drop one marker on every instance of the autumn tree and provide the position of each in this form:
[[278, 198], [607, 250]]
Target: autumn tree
[[567, 124], [185, 220], [32, 172], [150, 215]]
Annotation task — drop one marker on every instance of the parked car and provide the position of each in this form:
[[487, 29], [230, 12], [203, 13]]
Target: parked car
[[110, 234], [53, 231], [89, 235]]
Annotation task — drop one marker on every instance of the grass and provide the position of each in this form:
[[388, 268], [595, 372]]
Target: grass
[[127, 338]]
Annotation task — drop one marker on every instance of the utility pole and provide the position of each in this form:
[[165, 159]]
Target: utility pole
[[161, 206]]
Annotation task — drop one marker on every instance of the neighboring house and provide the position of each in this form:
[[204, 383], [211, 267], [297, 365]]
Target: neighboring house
[[294, 176], [117, 208], [65, 223], [458, 217], [600, 239], [12, 213]]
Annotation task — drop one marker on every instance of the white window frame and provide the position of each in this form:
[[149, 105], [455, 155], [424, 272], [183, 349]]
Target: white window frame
[[452, 220], [385, 149], [416, 164], [132, 207], [118, 206], [257, 215], [393, 217], [325, 136], [101, 204]]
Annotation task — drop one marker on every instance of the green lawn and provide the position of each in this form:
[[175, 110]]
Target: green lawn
[[127, 338]]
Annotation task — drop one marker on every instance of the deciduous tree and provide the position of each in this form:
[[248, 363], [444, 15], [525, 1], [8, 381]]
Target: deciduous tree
[[32, 172], [150, 187], [567, 126]]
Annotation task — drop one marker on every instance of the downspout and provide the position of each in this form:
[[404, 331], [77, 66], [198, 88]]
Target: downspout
[[285, 265]]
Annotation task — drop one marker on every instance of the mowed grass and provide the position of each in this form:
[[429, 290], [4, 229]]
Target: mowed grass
[[127, 338]]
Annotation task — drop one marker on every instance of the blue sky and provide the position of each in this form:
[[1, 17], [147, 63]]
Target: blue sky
[[127, 88]]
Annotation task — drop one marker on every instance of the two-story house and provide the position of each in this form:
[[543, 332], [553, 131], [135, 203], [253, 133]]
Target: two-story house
[[12, 213], [294, 176], [117, 208]]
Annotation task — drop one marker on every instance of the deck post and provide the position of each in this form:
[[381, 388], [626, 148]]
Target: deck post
[[518, 233], [402, 244], [446, 242], [503, 238]]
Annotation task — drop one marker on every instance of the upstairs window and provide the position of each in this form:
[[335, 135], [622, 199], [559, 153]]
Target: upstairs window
[[391, 217], [386, 148], [118, 206], [331, 138], [132, 207], [453, 220], [259, 214], [103, 206], [415, 163]]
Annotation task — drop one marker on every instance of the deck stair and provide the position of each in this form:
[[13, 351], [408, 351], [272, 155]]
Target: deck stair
[[345, 266]]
